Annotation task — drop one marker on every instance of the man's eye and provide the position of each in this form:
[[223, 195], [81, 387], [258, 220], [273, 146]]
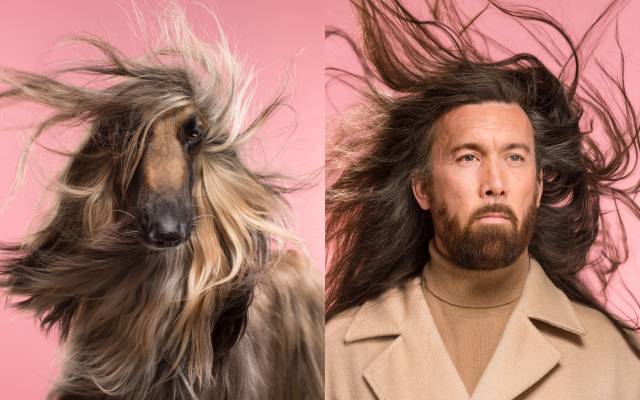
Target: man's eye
[[467, 157], [516, 157]]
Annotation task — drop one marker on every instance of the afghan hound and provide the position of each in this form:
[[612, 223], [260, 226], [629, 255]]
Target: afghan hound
[[166, 264]]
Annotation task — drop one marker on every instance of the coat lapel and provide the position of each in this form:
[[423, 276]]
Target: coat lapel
[[523, 355], [416, 365]]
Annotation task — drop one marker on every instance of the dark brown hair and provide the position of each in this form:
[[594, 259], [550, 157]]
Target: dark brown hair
[[414, 71]]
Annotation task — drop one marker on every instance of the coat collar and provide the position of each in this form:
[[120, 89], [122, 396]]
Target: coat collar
[[416, 361]]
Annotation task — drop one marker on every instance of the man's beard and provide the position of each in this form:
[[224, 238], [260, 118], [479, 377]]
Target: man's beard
[[484, 245]]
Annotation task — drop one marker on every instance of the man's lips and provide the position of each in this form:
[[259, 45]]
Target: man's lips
[[497, 217], [494, 215]]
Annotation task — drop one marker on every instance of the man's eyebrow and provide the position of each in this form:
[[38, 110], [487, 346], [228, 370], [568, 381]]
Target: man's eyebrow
[[481, 149], [512, 146], [469, 146]]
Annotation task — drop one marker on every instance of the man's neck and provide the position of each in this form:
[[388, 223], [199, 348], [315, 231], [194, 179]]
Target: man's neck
[[466, 287]]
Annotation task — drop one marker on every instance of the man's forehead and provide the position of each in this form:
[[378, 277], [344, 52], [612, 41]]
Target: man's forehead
[[485, 124]]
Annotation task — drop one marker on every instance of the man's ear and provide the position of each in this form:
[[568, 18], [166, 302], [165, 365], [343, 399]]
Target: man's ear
[[539, 185], [421, 192]]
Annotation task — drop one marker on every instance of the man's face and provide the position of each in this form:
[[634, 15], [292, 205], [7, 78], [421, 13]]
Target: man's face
[[484, 190]]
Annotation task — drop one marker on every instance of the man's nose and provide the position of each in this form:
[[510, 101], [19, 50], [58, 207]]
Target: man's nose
[[492, 180]]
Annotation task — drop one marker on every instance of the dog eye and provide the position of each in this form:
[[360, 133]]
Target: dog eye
[[192, 131], [194, 136]]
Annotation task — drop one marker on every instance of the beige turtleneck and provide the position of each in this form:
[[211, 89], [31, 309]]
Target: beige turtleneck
[[470, 308]]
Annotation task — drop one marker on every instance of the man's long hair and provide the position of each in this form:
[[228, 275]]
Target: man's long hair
[[147, 324], [413, 72]]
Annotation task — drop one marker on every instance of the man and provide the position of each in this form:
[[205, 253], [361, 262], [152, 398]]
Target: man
[[458, 231]]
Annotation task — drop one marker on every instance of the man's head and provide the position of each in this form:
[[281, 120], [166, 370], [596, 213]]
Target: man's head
[[432, 83], [482, 189]]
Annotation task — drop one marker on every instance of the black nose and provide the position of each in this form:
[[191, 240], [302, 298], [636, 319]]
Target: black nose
[[167, 231]]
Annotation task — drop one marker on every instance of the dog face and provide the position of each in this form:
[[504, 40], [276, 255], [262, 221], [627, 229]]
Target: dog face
[[161, 194]]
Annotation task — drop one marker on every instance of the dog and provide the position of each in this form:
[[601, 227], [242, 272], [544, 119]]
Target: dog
[[167, 264]]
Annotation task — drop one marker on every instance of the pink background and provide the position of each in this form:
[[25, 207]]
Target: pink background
[[267, 34], [575, 16]]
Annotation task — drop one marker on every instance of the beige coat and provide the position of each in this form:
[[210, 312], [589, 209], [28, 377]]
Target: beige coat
[[389, 349]]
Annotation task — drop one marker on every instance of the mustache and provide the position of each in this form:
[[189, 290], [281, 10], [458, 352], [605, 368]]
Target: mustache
[[496, 208]]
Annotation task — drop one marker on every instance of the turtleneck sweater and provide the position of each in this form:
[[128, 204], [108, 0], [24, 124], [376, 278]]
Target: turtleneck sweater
[[470, 308]]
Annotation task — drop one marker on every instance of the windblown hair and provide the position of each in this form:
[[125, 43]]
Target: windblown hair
[[230, 314], [416, 70]]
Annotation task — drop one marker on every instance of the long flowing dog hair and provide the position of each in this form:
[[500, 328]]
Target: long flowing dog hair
[[230, 313]]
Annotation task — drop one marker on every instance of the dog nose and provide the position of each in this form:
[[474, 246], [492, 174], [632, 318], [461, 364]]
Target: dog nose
[[167, 231]]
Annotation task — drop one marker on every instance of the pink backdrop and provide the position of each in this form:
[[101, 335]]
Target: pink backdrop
[[575, 16], [267, 34]]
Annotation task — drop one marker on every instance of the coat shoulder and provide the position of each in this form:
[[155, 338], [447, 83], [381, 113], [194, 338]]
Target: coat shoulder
[[605, 339], [343, 379], [357, 336], [336, 328], [596, 323]]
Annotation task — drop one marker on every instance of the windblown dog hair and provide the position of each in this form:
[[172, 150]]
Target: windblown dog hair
[[229, 313]]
